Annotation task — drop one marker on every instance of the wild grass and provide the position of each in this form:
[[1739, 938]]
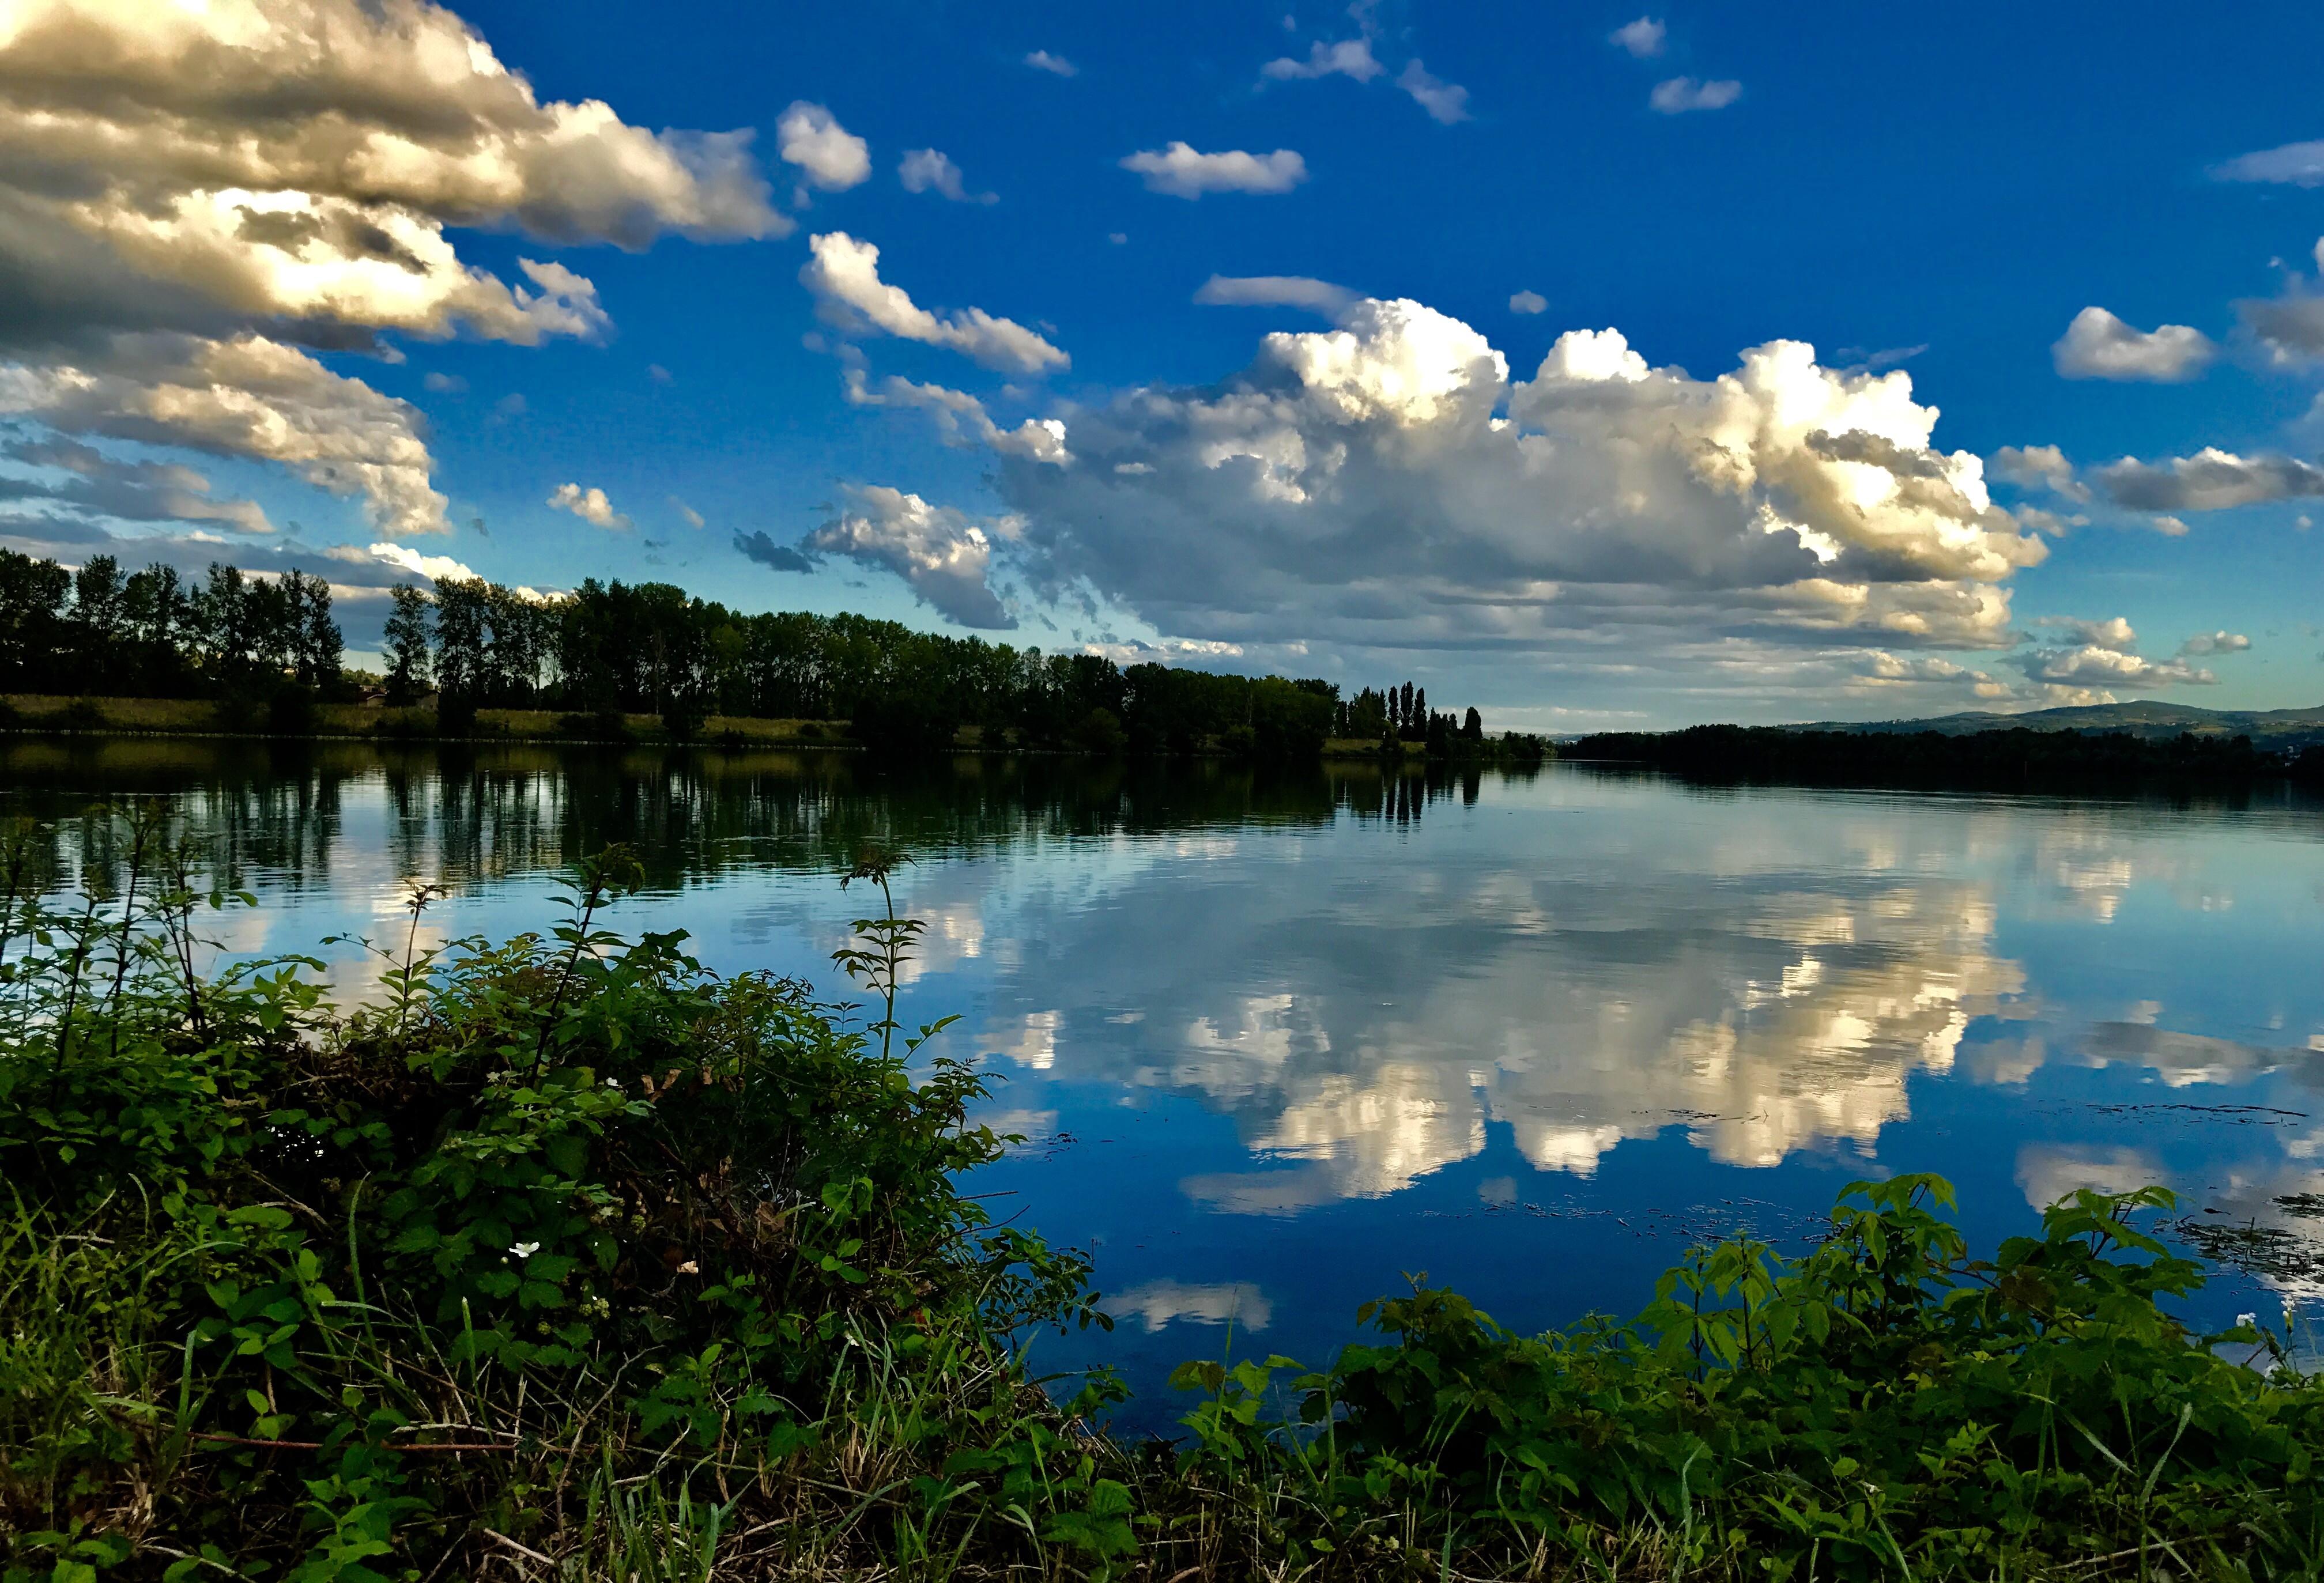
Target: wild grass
[[565, 1257], [49, 714]]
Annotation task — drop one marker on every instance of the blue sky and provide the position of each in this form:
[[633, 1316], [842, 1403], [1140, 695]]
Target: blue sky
[[1615, 536]]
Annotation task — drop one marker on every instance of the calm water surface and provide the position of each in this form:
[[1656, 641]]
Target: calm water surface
[[1276, 1043]]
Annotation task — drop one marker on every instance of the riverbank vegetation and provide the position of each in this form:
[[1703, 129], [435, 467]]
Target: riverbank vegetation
[[563, 1256], [375, 718], [2008, 758]]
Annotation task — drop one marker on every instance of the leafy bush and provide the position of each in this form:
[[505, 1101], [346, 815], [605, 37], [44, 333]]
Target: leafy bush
[[291, 712], [1885, 1405], [562, 1222]]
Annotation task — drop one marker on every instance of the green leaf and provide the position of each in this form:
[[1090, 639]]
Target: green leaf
[[265, 1217]]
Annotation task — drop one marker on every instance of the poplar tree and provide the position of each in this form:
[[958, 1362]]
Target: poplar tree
[[406, 641]]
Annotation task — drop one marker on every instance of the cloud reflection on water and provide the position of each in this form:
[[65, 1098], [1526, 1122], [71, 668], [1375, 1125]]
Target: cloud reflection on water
[[1374, 983], [1765, 1022]]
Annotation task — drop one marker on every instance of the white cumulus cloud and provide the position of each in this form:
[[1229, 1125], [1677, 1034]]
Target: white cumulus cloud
[[1528, 302], [844, 273], [2219, 642], [1677, 94], [588, 504], [942, 553], [404, 558], [2092, 665], [1643, 38], [2114, 632], [2098, 345], [248, 397], [1055, 65], [961, 418], [192, 191], [1387, 482], [1182, 171], [1880, 670], [829, 156]]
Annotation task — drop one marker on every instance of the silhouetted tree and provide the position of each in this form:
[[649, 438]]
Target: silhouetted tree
[[461, 657], [406, 642], [316, 647], [32, 619], [96, 625]]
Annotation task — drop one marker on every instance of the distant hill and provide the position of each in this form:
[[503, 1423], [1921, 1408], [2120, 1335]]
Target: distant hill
[[2277, 729]]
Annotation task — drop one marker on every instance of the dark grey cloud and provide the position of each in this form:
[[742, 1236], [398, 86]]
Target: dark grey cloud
[[780, 557], [2141, 1045], [2289, 327], [2212, 480], [96, 485]]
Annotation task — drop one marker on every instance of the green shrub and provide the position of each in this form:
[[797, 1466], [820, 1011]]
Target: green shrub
[[455, 715], [291, 712], [1098, 732], [1885, 1406], [570, 1200]]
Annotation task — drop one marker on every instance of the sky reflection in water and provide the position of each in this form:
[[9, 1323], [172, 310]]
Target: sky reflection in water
[[1275, 1046]]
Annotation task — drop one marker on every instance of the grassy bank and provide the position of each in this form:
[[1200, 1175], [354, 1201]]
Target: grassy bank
[[563, 1256], [1513, 749], [47, 713], [52, 714]]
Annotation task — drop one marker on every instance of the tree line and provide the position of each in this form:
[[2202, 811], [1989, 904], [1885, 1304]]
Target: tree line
[[2015, 757], [651, 648], [1401, 715], [150, 634], [610, 648]]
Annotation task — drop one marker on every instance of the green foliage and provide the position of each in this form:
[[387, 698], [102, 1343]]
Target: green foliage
[[567, 1251], [95, 631], [1885, 1406], [568, 1201]]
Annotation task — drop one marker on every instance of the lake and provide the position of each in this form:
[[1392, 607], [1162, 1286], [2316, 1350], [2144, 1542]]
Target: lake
[[1275, 1042]]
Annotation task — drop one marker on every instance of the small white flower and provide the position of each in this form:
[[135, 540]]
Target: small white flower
[[525, 1249], [2245, 1321]]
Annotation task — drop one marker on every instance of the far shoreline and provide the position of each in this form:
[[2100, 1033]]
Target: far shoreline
[[55, 716]]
